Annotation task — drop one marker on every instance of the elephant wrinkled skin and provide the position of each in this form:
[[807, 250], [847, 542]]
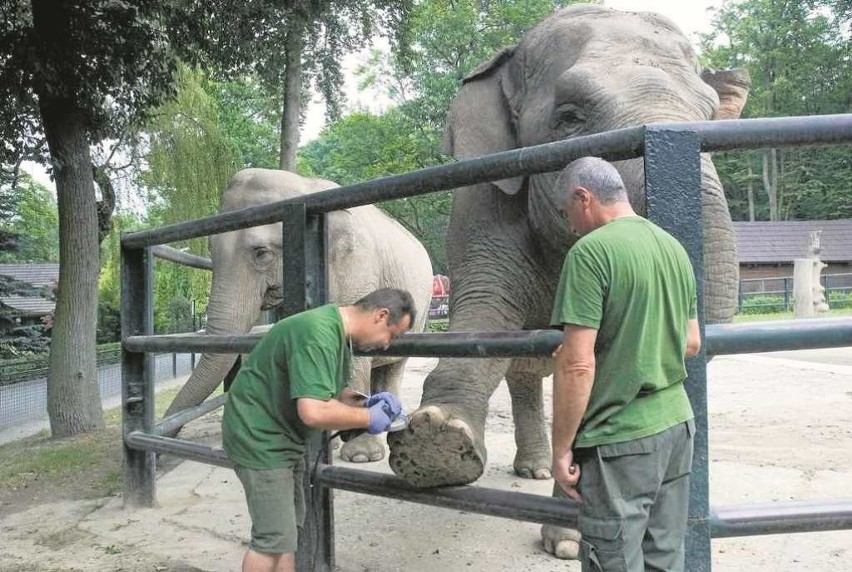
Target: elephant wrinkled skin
[[366, 250], [584, 69]]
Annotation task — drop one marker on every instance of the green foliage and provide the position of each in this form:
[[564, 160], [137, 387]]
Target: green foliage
[[84, 53], [839, 299], [798, 55], [35, 220], [434, 326], [762, 305], [449, 38], [248, 120]]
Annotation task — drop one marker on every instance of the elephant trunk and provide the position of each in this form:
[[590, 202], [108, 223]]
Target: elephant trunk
[[721, 266], [231, 310]]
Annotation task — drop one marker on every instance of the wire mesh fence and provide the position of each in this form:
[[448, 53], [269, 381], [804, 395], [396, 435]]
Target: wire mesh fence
[[26, 401]]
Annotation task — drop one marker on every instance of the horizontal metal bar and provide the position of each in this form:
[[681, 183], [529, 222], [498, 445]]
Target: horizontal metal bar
[[725, 522], [760, 133], [177, 420], [455, 344], [192, 343], [755, 337], [494, 502], [620, 144], [181, 257], [613, 145], [720, 339], [177, 447], [781, 518]]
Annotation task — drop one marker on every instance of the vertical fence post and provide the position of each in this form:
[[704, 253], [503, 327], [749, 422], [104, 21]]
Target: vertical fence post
[[673, 195], [786, 295], [304, 286], [137, 374]]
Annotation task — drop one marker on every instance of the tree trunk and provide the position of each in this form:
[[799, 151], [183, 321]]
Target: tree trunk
[[291, 113], [750, 194], [770, 181], [73, 396]]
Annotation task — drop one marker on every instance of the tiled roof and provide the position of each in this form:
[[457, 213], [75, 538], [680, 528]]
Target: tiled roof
[[784, 241], [27, 306], [37, 274]]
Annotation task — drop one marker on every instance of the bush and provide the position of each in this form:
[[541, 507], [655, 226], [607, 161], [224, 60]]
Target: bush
[[838, 299], [437, 325], [762, 305]]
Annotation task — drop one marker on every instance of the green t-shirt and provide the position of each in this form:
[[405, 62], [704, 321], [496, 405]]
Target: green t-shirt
[[632, 282], [304, 355]]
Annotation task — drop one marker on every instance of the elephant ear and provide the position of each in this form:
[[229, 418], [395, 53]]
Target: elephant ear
[[732, 86], [480, 120]]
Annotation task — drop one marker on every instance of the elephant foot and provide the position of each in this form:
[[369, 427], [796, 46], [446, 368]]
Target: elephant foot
[[436, 450], [364, 448], [564, 543], [532, 466]]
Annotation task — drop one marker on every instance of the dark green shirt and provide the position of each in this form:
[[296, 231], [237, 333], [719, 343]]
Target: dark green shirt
[[304, 355], [632, 282]]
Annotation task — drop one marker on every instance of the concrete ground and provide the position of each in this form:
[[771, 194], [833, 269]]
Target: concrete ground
[[781, 429]]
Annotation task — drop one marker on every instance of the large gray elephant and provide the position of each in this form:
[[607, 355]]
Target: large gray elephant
[[367, 250], [584, 69]]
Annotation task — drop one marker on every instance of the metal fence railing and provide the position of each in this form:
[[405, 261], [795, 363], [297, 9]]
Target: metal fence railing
[[775, 294], [672, 185]]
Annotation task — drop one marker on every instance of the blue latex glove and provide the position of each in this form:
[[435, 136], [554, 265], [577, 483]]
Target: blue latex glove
[[380, 417], [392, 401]]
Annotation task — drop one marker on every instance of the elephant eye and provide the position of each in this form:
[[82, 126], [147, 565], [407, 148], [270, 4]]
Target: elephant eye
[[263, 256], [568, 118]]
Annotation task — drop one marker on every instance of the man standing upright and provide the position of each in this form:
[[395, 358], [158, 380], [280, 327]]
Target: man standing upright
[[622, 422]]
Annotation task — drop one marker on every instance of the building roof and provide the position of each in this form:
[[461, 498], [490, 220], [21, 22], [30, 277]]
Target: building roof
[[37, 274], [779, 242], [27, 306]]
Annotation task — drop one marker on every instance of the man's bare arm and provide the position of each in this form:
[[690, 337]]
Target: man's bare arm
[[693, 338], [332, 414], [573, 376]]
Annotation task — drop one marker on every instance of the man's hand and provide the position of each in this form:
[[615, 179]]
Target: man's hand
[[380, 419], [567, 474], [389, 398]]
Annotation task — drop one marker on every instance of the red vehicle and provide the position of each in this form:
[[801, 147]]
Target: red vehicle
[[440, 305]]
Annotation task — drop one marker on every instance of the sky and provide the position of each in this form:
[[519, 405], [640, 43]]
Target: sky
[[690, 15]]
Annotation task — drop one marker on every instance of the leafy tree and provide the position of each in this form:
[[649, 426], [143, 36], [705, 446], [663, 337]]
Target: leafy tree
[[78, 72], [798, 55], [35, 223], [289, 44], [189, 149], [189, 159]]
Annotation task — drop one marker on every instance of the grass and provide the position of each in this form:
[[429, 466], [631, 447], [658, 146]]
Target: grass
[[39, 468], [740, 318]]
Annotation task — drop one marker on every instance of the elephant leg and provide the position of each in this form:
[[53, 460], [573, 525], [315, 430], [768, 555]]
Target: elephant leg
[[444, 443], [364, 448], [532, 457], [564, 543]]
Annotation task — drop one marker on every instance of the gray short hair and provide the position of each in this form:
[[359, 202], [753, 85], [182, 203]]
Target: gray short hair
[[397, 302], [597, 176]]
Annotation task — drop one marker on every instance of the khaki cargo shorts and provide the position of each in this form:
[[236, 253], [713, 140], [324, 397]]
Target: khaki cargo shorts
[[276, 506]]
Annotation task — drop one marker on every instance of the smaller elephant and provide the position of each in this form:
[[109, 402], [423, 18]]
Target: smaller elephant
[[367, 250]]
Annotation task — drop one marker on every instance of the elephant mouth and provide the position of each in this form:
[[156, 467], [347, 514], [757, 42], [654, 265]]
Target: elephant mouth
[[273, 298]]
